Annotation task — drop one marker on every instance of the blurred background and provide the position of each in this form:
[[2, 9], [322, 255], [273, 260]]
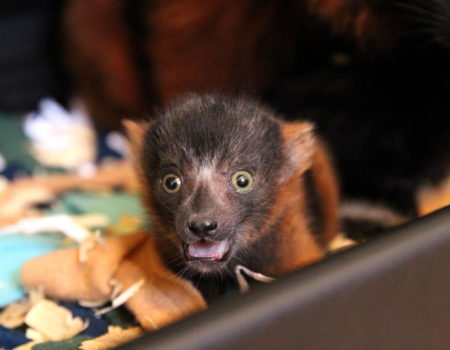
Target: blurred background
[[30, 56], [373, 75]]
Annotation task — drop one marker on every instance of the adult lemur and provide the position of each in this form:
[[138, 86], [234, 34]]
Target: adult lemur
[[374, 75]]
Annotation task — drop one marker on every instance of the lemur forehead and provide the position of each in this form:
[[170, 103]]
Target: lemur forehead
[[202, 129], [206, 171], [208, 178]]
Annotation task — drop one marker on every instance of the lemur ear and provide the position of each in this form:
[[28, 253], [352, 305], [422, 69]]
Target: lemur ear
[[298, 147], [136, 132]]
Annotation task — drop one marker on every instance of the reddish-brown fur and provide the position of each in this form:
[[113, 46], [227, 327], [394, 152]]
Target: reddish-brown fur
[[188, 45], [355, 18], [224, 45], [297, 245], [326, 185], [100, 56], [196, 46]]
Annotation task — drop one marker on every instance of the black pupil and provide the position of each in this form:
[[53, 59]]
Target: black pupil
[[172, 183], [242, 181]]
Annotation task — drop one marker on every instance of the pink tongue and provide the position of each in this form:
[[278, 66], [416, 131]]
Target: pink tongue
[[207, 250]]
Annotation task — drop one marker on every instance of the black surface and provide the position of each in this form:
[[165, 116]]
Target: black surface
[[390, 293], [30, 63]]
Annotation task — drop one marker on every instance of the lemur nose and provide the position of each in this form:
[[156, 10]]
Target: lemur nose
[[202, 228]]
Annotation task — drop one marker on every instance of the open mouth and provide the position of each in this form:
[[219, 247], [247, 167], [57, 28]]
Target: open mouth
[[207, 250]]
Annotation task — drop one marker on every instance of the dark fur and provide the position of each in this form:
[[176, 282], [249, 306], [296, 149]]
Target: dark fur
[[239, 135], [384, 109], [193, 133]]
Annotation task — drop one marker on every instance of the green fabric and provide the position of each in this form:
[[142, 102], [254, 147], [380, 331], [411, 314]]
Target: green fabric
[[121, 317], [68, 344], [14, 144], [113, 205]]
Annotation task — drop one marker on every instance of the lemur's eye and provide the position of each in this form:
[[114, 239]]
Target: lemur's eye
[[242, 181], [171, 183]]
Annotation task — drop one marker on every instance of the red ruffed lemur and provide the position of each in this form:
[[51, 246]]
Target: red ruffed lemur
[[373, 75], [227, 183]]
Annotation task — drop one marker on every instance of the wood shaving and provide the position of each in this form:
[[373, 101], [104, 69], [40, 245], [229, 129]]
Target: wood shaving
[[244, 287], [122, 298], [54, 134], [87, 244], [92, 303], [19, 196], [340, 242], [117, 287], [116, 336], [35, 296], [49, 321], [13, 315], [17, 204], [61, 223], [35, 335]]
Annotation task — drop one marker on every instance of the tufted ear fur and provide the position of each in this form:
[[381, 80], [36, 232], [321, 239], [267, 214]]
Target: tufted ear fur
[[298, 148], [136, 132]]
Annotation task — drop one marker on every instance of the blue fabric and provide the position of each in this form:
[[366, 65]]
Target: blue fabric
[[13, 170], [103, 150], [10, 338], [97, 325], [15, 249]]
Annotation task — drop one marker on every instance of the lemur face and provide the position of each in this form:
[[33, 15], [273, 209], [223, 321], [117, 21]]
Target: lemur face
[[212, 166], [211, 208]]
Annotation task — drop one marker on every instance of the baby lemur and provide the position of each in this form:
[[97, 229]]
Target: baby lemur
[[226, 182]]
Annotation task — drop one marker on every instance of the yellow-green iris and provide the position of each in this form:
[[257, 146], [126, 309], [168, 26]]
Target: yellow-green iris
[[242, 181], [171, 183]]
